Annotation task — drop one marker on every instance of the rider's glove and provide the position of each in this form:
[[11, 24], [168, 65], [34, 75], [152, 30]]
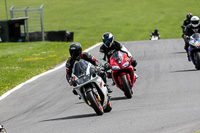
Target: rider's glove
[[186, 37], [106, 66], [98, 69], [134, 63], [70, 82]]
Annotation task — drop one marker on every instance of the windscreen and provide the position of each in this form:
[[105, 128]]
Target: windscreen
[[117, 55], [196, 36], [80, 68]]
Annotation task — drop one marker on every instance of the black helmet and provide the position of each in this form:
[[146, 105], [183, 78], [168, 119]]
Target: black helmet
[[189, 16], [156, 31], [107, 39], [75, 50]]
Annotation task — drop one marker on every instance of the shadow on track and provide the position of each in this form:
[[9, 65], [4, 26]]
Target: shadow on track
[[118, 98], [190, 70], [71, 117], [178, 53], [80, 103]]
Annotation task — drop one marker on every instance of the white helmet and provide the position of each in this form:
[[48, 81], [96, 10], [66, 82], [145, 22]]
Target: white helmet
[[195, 21]]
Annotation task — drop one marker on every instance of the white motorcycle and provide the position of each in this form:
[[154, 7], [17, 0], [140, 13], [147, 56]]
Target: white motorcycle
[[90, 86]]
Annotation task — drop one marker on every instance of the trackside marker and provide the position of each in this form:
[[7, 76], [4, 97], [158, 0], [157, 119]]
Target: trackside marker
[[40, 75]]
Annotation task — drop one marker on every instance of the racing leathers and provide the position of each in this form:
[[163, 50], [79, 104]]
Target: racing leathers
[[88, 57], [188, 32], [185, 23]]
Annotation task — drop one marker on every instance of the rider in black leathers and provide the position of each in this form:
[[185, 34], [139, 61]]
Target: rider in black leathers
[[76, 53], [109, 47], [192, 28], [186, 21]]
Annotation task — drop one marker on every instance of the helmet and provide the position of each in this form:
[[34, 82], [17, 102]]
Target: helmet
[[75, 50], [156, 31], [189, 16], [107, 39], [195, 21]]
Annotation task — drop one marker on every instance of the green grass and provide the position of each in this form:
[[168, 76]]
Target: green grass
[[19, 62], [128, 20]]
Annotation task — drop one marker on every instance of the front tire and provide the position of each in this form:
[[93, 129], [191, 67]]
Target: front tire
[[95, 103], [197, 60], [3, 131], [126, 86]]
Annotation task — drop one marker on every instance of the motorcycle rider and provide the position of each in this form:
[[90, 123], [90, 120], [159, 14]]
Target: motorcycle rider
[[193, 27], [76, 53], [110, 46], [155, 33], [187, 21]]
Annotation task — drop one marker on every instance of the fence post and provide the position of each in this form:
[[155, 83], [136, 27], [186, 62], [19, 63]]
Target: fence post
[[41, 21]]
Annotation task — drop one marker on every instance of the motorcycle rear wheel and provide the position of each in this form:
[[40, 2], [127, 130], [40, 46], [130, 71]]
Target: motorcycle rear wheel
[[126, 86], [95, 103]]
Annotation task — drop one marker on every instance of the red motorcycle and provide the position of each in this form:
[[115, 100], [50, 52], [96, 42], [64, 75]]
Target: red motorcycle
[[122, 72]]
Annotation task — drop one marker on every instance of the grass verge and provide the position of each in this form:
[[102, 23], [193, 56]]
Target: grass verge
[[21, 61]]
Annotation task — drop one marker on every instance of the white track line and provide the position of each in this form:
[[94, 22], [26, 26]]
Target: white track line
[[40, 75]]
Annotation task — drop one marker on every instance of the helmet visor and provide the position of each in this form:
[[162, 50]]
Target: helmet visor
[[195, 22], [107, 41], [75, 54]]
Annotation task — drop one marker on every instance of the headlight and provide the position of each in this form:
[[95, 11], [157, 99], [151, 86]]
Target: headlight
[[126, 64], [197, 44], [115, 67], [83, 79]]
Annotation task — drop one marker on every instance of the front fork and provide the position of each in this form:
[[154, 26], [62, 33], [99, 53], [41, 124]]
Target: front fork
[[127, 75], [190, 49]]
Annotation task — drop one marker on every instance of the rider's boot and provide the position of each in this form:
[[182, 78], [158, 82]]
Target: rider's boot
[[188, 57], [136, 76], [113, 83], [108, 88], [74, 91]]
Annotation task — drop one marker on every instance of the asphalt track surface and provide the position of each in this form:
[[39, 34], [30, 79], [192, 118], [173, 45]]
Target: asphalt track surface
[[166, 98]]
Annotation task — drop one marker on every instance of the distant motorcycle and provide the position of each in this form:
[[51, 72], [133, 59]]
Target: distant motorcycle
[[194, 50], [122, 72], [154, 38], [90, 86]]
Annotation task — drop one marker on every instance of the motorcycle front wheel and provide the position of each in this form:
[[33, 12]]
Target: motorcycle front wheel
[[126, 86], [3, 131], [197, 60], [95, 103]]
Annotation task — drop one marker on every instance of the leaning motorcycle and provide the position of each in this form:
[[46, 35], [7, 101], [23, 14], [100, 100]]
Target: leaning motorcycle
[[194, 50], [90, 86], [122, 72]]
